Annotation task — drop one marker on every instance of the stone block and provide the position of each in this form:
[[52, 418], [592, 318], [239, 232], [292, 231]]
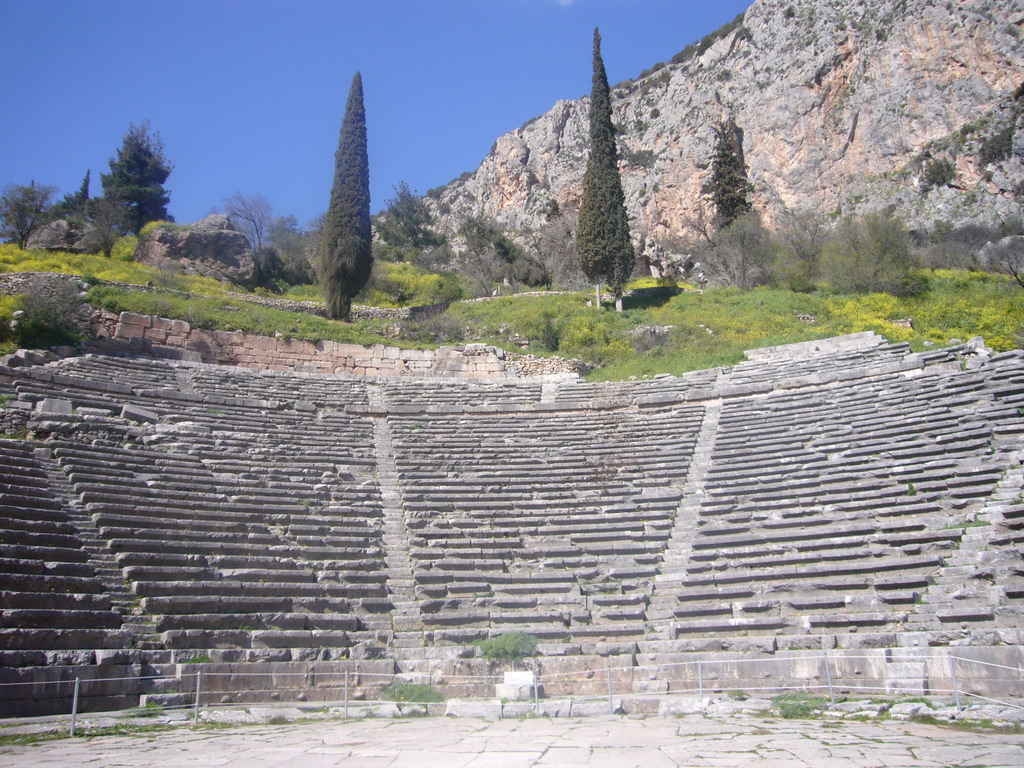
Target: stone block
[[266, 343], [56, 405], [131, 318], [592, 707], [128, 331], [650, 686], [511, 692], [138, 414], [481, 708], [228, 338], [296, 347], [683, 705], [555, 707], [517, 708]]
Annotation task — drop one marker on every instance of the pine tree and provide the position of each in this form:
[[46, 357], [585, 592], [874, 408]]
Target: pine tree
[[730, 189], [74, 203], [346, 254], [603, 246], [137, 175], [82, 196]]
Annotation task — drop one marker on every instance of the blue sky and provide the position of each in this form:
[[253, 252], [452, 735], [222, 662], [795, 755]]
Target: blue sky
[[248, 95]]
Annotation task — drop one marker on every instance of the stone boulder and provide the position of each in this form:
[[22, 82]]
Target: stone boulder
[[211, 247], [63, 235]]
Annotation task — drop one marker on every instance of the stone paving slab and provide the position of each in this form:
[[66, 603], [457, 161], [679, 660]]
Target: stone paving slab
[[612, 741]]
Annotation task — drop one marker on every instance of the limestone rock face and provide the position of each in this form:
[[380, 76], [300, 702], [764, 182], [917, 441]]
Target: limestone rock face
[[62, 235], [211, 247], [842, 105]]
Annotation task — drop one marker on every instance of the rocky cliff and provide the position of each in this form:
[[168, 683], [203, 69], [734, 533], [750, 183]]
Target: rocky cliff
[[844, 106]]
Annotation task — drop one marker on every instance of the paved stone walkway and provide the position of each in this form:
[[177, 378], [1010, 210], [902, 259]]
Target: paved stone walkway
[[616, 742]]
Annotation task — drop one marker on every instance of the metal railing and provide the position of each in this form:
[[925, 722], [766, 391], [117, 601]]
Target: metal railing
[[703, 679]]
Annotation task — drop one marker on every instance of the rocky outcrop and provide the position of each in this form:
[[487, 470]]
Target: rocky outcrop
[[843, 106], [64, 235], [211, 247]]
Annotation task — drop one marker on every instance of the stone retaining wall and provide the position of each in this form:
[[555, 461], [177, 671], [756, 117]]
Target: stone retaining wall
[[161, 337]]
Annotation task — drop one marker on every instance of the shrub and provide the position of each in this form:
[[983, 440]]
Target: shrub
[[697, 48], [401, 284], [542, 330], [403, 691], [510, 646], [997, 147], [642, 158], [597, 339], [150, 226], [441, 328], [871, 255], [742, 254], [790, 271], [51, 318], [937, 173]]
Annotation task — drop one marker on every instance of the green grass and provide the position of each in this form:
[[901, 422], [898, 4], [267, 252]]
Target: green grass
[[223, 314], [99, 267], [704, 330], [715, 328], [797, 705]]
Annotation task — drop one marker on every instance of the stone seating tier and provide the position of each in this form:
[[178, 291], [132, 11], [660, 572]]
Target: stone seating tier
[[272, 515]]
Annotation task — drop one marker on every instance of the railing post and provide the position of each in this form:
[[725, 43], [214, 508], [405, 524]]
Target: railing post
[[611, 705], [74, 706], [346, 693], [700, 680], [952, 673], [828, 676], [199, 687], [536, 695]]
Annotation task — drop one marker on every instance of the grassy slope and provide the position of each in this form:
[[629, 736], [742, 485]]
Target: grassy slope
[[703, 330], [716, 327]]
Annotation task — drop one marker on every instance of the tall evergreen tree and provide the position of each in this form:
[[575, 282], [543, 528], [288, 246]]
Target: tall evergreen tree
[[74, 203], [137, 175], [82, 195], [346, 256], [603, 246], [730, 189]]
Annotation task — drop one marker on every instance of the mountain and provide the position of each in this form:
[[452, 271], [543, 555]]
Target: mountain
[[843, 106]]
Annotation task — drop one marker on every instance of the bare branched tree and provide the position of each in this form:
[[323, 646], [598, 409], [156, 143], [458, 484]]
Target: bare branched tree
[[108, 219], [703, 224], [1006, 256], [252, 215], [553, 246]]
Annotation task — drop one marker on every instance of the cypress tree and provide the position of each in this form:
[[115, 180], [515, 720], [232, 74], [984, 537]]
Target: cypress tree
[[730, 189], [345, 249], [602, 235]]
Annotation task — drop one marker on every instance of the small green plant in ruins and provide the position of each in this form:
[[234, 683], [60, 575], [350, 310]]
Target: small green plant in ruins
[[418, 692], [510, 646], [796, 705]]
